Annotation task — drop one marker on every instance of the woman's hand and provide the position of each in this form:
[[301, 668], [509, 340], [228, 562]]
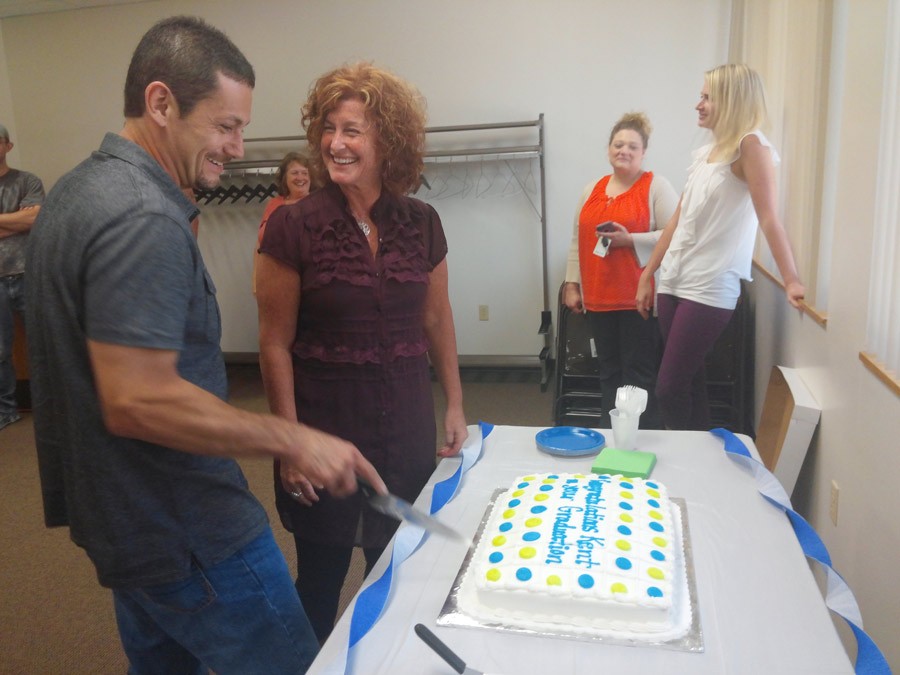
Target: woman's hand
[[619, 237], [644, 297], [455, 430], [572, 297], [795, 292], [298, 485]]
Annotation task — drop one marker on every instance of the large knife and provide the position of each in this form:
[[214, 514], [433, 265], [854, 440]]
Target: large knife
[[399, 509]]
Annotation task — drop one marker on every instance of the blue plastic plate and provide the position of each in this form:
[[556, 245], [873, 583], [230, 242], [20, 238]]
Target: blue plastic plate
[[569, 441]]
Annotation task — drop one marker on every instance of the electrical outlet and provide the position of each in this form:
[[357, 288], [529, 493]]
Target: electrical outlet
[[835, 493], [483, 314]]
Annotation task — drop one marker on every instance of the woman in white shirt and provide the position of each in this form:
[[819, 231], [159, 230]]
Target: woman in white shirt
[[707, 246]]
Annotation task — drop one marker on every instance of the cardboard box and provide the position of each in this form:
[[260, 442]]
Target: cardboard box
[[789, 418]]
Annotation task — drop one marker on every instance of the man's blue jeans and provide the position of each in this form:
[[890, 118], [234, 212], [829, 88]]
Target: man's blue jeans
[[240, 616], [12, 297]]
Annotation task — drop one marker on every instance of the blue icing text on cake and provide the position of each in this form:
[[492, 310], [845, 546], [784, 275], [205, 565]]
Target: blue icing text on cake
[[585, 550]]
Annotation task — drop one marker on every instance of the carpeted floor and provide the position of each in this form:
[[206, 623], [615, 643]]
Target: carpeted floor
[[55, 618]]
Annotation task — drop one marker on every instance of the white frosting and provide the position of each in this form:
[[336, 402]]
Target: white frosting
[[585, 552]]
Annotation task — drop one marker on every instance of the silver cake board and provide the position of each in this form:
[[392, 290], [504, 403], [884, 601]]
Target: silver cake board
[[690, 641]]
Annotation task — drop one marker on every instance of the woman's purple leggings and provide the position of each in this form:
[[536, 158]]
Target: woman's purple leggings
[[689, 330]]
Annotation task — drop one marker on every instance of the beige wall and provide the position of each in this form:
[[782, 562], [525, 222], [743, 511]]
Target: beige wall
[[475, 62], [6, 109], [857, 440]]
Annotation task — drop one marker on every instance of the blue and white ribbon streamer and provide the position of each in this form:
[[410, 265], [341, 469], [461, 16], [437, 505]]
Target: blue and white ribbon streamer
[[838, 597], [372, 600]]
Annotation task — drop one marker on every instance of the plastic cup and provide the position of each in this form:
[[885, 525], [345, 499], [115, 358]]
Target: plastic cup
[[624, 429]]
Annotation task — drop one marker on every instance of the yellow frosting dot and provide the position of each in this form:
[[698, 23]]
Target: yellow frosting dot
[[659, 541], [529, 477], [578, 475], [554, 580], [548, 481], [518, 493], [509, 513], [623, 545], [618, 587], [625, 494], [626, 518], [527, 552], [493, 574], [533, 522], [653, 493], [656, 573], [542, 497], [499, 540], [656, 515]]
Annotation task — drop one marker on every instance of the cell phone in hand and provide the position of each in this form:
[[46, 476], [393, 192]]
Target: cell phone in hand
[[602, 247]]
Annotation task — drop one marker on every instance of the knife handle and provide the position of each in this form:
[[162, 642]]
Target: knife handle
[[364, 487], [440, 648]]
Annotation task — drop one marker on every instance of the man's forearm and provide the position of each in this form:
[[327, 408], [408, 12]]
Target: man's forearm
[[18, 221]]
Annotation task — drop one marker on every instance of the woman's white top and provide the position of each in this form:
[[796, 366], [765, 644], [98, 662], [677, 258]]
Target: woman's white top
[[712, 247]]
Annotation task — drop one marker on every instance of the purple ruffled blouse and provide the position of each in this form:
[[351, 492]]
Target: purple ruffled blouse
[[360, 364]]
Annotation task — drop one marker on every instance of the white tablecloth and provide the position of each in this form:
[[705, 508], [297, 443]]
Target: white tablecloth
[[761, 611]]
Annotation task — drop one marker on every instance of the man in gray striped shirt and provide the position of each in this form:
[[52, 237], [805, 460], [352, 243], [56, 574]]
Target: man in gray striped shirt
[[21, 194]]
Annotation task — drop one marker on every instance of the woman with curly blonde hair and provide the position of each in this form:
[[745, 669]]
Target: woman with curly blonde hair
[[707, 247], [353, 303], [393, 106]]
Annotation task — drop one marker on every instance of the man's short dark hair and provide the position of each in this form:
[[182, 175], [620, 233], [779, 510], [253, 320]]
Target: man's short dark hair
[[187, 54]]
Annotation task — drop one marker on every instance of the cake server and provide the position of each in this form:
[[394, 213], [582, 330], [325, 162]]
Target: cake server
[[400, 509], [444, 651]]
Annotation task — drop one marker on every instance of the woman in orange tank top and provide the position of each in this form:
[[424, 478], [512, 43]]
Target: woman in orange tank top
[[618, 222]]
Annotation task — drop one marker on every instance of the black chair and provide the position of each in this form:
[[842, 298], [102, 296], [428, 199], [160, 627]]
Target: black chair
[[577, 401], [729, 372]]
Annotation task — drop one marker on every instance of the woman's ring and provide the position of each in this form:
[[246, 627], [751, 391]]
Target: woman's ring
[[297, 493]]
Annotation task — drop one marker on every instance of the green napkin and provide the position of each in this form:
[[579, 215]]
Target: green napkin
[[629, 463]]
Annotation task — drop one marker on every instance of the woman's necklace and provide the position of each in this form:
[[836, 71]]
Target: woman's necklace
[[364, 226]]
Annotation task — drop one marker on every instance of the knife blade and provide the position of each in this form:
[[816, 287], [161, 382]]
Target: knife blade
[[444, 651], [400, 509]]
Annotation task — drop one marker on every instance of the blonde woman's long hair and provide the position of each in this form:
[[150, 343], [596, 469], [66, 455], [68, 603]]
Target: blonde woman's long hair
[[739, 107]]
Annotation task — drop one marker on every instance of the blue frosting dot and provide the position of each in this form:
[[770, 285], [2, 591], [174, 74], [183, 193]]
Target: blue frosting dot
[[658, 555], [623, 563], [538, 509], [552, 475], [624, 529], [505, 527], [627, 486], [495, 557], [531, 536], [651, 502], [546, 488], [656, 526], [651, 484], [625, 506], [522, 485], [585, 581], [513, 503], [571, 480], [523, 574], [654, 592]]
